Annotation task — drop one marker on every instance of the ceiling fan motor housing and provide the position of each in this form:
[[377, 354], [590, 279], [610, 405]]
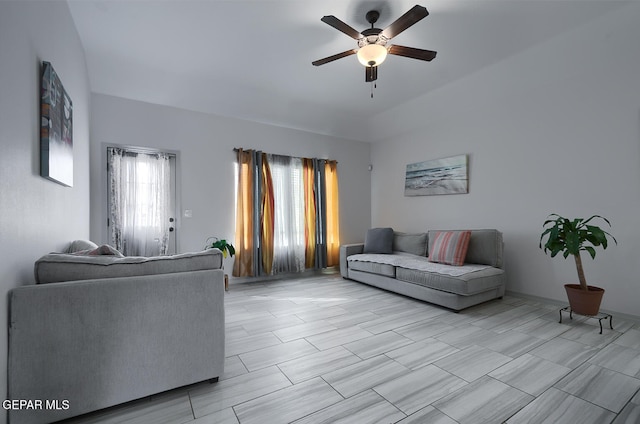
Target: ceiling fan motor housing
[[372, 17], [372, 36]]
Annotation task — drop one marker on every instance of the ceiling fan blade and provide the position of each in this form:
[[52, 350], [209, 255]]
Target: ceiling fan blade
[[415, 14], [334, 57], [341, 26], [411, 52]]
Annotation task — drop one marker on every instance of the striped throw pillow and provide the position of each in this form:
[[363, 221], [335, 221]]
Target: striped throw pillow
[[449, 247]]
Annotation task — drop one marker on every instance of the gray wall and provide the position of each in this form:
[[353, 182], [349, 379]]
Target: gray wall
[[555, 128], [206, 161], [37, 216]]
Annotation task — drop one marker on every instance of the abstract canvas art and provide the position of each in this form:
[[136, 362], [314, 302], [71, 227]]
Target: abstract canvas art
[[439, 176], [56, 129]]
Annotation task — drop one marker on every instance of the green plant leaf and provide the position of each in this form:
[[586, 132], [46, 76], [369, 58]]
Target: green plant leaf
[[570, 236], [573, 242], [591, 251], [225, 247]]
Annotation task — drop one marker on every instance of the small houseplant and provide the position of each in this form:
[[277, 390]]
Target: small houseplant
[[572, 236], [226, 247]]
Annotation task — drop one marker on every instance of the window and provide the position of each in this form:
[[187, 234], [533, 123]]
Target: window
[[288, 220], [283, 214]]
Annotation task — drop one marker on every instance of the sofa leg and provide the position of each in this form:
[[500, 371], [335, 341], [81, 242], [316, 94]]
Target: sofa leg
[[213, 380]]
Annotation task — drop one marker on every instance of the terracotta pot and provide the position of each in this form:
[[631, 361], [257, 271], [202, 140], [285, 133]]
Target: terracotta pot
[[584, 302]]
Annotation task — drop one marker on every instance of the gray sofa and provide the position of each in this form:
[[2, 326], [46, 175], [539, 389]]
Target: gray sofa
[[407, 270], [98, 331]]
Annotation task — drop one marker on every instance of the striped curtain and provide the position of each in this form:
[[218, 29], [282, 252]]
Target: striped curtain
[[287, 217]]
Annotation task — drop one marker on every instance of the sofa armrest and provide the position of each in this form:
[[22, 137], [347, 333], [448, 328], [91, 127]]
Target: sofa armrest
[[98, 343], [347, 250]]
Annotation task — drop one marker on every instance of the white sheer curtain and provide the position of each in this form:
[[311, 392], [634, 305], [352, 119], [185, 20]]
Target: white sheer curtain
[[139, 202], [288, 192]]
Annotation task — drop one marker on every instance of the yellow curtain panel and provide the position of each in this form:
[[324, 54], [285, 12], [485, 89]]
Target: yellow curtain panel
[[333, 216], [243, 263]]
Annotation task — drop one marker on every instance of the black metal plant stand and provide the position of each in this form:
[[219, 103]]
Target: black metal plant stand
[[600, 316]]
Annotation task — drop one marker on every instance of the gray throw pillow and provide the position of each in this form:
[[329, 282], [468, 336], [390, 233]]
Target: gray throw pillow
[[379, 240], [104, 250], [79, 245]]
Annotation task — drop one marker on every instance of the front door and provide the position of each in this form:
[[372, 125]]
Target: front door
[[142, 201]]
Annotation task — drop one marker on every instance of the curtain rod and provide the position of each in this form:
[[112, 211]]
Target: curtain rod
[[236, 149]]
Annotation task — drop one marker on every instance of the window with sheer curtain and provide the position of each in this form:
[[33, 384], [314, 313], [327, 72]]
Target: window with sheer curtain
[[139, 201], [287, 214]]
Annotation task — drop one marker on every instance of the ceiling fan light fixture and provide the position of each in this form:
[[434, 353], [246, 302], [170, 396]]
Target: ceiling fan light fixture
[[372, 54]]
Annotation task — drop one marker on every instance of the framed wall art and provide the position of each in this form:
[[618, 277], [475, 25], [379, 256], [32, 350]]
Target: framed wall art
[[438, 176], [56, 129]]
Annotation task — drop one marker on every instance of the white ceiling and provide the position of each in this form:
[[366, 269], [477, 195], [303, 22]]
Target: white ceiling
[[252, 59]]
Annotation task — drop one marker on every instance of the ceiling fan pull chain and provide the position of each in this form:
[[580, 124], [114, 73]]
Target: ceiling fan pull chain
[[373, 85]]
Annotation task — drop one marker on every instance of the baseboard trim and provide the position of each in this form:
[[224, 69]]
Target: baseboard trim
[[561, 304], [289, 276]]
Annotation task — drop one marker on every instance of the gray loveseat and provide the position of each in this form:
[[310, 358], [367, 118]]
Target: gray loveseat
[[102, 330], [406, 269]]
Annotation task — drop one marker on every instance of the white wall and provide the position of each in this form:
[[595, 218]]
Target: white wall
[[206, 160], [555, 128], [37, 216]]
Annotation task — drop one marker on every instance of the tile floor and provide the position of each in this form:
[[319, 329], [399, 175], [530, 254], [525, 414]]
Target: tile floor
[[328, 350]]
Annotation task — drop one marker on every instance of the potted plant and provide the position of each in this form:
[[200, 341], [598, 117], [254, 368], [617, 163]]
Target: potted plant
[[571, 237], [226, 247]]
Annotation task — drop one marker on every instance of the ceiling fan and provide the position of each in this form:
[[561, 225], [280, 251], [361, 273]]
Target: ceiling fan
[[372, 42]]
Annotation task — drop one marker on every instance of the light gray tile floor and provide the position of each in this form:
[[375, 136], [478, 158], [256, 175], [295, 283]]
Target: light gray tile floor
[[328, 350]]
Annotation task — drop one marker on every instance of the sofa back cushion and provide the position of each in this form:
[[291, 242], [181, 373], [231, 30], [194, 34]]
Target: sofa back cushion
[[58, 267], [485, 247], [415, 244], [379, 240]]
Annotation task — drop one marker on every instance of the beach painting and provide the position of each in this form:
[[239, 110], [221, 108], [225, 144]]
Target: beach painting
[[438, 176]]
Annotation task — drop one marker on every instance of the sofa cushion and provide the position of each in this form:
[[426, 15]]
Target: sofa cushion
[[374, 268], [449, 247], [416, 244], [58, 267], [379, 240], [465, 285]]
